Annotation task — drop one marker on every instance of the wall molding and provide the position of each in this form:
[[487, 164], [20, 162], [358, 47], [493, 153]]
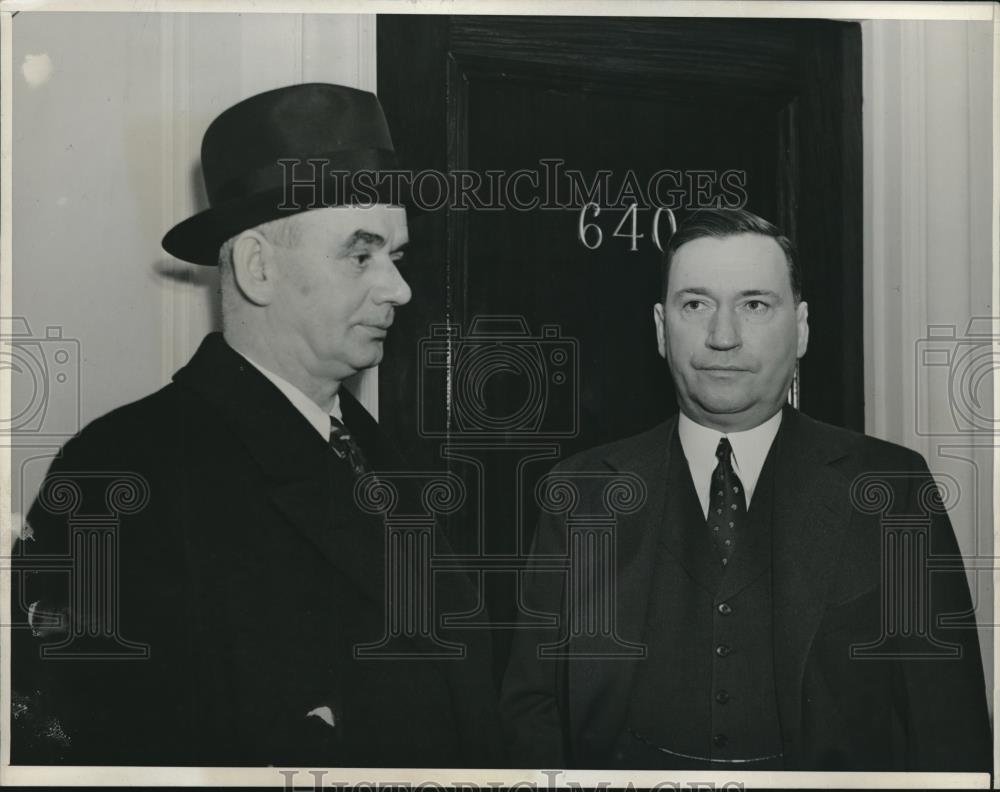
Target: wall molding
[[929, 260]]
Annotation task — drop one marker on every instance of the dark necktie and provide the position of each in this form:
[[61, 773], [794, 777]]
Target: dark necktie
[[345, 447], [727, 503]]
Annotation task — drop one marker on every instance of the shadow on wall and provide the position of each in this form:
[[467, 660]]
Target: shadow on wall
[[180, 272]]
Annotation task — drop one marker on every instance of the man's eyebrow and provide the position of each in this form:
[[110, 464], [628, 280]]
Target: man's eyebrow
[[363, 237], [745, 293], [694, 290]]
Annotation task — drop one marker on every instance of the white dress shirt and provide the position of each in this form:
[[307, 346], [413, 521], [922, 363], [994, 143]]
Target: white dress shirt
[[312, 412], [749, 452]]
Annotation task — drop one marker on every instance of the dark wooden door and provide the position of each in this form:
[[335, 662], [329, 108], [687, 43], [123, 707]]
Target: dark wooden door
[[777, 102]]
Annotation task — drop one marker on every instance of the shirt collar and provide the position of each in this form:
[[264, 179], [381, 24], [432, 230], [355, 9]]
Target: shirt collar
[[312, 412], [750, 449]]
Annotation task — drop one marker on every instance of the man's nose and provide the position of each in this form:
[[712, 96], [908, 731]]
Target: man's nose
[[723, 331], [394, 289]]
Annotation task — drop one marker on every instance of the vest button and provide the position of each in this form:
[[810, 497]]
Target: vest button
[[725, 608], [722, 697], [723, 650], [720, 740]]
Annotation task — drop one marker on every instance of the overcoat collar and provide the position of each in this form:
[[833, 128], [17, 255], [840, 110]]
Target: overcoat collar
[[297, 465], [811, 510], [310, 487]]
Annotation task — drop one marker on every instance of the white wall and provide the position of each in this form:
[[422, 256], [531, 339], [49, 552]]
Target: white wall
[[105, 150], [928, 104]]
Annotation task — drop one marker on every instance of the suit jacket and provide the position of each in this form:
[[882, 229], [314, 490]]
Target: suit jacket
[[244, 567], [896, 712]]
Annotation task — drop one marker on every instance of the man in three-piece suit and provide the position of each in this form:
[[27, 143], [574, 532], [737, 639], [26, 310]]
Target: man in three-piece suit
[[754, 572], [244, 568]]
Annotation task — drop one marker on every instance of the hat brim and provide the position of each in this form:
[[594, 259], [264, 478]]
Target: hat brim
[[198, 238]]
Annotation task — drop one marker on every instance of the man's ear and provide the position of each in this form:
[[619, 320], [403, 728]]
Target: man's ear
[[253, 267], [802, 327], [661, 329]]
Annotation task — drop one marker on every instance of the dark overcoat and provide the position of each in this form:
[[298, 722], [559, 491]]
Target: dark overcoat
[[245, 571]]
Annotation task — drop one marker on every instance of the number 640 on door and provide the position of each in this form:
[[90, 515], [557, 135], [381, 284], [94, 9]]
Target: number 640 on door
[[591, 235]]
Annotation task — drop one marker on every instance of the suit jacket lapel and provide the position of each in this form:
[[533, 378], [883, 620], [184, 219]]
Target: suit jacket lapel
[[600, 687], [811, 513], [811, 510], [753, 549], [639, 532], [685, 532]]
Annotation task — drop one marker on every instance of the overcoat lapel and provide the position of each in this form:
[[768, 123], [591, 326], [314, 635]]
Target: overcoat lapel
[[296, 464], [811, 514], [354, 543]]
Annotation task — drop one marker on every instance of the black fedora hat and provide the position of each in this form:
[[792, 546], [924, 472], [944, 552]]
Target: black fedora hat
[[282, 152]]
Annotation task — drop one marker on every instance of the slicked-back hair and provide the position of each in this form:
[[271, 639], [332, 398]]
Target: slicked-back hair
[[722, 223]]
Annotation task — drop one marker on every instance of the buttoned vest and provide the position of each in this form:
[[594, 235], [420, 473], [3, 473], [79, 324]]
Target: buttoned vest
[[705, 696]]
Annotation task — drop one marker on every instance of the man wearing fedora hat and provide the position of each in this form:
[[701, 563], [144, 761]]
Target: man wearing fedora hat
[[241, 576]]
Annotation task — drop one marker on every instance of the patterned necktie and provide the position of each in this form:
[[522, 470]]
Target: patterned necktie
[[344, 446], [727, 503]]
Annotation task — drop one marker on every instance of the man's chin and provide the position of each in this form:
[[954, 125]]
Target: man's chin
[[731, 415], [723, 401], [722, 407], [370, 358]]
